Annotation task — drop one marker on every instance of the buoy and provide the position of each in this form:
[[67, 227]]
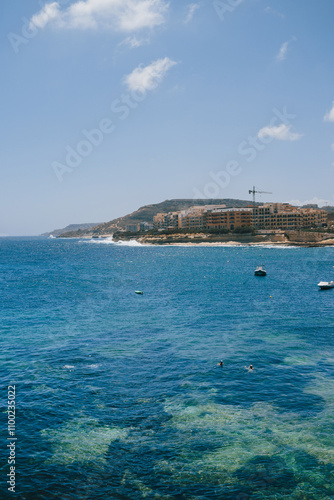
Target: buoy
[[138, 292]]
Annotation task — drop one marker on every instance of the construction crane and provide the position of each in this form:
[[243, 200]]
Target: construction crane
[[253, 192]]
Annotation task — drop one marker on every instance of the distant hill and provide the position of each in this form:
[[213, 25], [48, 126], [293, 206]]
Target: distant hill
[[70, 228], [147, 212]]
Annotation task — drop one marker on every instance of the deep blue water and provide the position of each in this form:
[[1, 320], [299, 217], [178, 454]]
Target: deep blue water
[[119, 395]]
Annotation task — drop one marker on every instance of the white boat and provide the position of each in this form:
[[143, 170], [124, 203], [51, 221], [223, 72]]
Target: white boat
[[260, 271], [325, 285]]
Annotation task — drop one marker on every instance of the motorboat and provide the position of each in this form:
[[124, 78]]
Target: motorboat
[[325, 285], [260, 271]]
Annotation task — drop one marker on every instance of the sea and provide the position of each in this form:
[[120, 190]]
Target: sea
[[121, 395]]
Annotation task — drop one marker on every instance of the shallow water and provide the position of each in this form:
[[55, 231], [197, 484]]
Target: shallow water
[[119, 395]]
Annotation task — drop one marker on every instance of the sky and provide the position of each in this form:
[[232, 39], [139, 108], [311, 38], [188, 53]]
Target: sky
[[109, 105]]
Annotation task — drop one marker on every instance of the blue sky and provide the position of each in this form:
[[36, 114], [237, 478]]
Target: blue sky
[[108, 105]]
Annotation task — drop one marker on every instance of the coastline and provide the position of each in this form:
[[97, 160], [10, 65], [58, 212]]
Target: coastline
[[274, 238], [254, 244], [204, 240]]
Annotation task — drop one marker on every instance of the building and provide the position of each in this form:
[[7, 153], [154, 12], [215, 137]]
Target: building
[[145, 226], [313, 217], [159, 221], [229, 218], [191, 218], [195, 217], [166, 221], [286, 216], [269, 216], [132, 228]]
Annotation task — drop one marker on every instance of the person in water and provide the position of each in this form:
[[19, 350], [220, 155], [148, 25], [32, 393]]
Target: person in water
[[250, 368], [221, 363]]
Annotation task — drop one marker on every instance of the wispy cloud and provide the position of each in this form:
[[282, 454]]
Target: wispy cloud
[[191, 9], [122, 15], [282, 51], [148, 77], [281, 56], [270, 10], [329, 117], [281, 132], [133, 42]]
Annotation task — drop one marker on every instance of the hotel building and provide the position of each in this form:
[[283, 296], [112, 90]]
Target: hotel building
[[229, 218]]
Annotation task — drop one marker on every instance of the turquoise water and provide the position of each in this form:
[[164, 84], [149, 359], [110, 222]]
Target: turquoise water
[[119, 395]]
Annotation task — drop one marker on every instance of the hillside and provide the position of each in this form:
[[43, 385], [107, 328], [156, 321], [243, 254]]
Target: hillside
[[71, 228], [147, 212]]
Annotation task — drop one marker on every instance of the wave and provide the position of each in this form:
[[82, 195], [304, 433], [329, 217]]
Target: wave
[[130, 243], [134, 243], [110, 241], [270, 246]]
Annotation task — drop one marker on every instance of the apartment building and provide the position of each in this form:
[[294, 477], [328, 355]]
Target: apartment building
[[195, 217], [191, 218], [314, 217], [166, 221], [285, 216], [229, 218]]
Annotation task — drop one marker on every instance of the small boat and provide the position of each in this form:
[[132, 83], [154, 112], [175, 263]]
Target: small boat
[[325, 285], [260, 271], [139, 292]]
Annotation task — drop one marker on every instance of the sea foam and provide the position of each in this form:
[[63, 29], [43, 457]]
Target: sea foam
[[110, 241]]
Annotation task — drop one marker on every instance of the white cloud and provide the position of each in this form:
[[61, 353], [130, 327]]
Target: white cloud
[[133, 42], [329, 117], [191, 11], [49, 12], [123, 15], [282, 51], [281, 132], [148, 77]]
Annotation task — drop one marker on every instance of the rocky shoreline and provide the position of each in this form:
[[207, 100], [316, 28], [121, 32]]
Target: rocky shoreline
[[291, 238], [287, 238]]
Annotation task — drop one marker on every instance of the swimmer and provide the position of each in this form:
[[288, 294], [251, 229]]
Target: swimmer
[[221, 363], [250, 368]]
